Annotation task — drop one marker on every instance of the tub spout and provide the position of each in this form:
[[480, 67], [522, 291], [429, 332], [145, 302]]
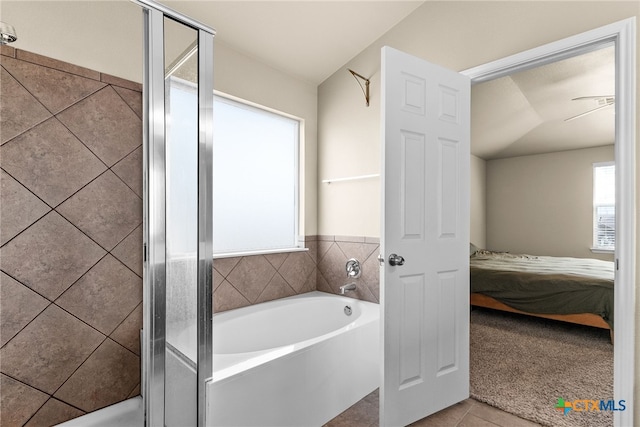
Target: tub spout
[[345, 288]]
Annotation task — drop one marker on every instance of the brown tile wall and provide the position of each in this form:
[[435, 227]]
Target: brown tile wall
[[332, 255], [70, 236], [243, 281]]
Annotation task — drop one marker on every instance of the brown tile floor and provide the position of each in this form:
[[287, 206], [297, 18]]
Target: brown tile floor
[[468, 413]]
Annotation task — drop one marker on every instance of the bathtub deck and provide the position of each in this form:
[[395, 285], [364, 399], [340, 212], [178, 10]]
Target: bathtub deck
[[466, 413]]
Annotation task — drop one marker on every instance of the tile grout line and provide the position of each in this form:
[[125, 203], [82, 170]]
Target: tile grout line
[[124, 100], [37, 389], [466, 413], [54, 68], [80, 139]]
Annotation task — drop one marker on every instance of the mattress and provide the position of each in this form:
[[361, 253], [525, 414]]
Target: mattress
[[545, 284]]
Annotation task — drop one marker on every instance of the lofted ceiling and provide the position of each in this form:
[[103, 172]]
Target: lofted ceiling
[[516, 115], [308, 39], [525, 113]]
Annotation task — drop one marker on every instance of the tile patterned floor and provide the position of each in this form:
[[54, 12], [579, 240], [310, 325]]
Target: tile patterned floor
[[468, 413]]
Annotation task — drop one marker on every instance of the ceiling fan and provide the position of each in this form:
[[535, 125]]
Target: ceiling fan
[[602, 102]]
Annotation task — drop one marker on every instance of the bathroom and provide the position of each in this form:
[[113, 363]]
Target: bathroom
[[91, 221], [100, 228]]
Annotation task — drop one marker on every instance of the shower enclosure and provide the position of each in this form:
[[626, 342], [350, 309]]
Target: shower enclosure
[[177, 152]]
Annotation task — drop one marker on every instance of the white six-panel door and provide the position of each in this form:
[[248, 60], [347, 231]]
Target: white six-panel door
[[425, 220]]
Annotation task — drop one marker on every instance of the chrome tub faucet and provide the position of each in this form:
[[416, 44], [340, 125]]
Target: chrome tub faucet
[[345, 288]]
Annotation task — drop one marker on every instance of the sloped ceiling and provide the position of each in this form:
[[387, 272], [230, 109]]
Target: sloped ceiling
[[525, 113], [309, 39], [516, 115]]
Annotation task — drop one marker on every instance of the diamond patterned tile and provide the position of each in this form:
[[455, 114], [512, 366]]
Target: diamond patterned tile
[[361, 292], [118, 81], [276, 259], [371, 276], [226, 297], [19, 110], [322, 285], [106, 210], [225, 265], [129, 251], [277, 288], [49, 256], [359, 251], [127, 333], [311, 283], [18, 402], [251, 276], [55, 89], [105, 124], [322, 249], [129, 170], [313, 250], [52, 413], [56, 64], [50, 161], [19, 305], [296, 269], [107, 377], [332, 267], [46, 352], [104, 296], [133, 98], [217, 279], [19, 208]]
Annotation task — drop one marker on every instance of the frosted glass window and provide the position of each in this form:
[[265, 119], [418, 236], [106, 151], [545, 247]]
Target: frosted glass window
[[604, 206], [255, 179]]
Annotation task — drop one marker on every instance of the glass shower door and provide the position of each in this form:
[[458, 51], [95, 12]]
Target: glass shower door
[[181, 145], [178, 259]]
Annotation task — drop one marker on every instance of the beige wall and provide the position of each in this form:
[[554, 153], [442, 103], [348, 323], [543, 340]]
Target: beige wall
[[478, 202], [543, 204], [350, 147], [64, 37]]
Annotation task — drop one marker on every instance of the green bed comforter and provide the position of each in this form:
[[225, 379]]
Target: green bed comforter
[[544, 284]]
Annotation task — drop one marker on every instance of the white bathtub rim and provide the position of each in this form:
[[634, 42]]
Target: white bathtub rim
[[370, 312], [228, 365]]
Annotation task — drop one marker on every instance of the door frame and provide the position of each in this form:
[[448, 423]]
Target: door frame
[[623, 35]]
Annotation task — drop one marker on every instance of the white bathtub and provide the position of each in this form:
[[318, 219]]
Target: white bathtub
[[298, 361]]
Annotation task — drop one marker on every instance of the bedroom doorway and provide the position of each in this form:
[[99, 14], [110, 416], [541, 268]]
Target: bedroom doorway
[[622, 36]]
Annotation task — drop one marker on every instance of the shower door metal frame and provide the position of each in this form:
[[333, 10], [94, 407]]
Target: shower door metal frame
[[154, 205]]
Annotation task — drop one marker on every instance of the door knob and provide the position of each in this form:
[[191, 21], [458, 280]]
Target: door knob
[[396, 260]]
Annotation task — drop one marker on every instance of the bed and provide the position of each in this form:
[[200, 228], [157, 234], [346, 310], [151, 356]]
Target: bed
[[576, 290]]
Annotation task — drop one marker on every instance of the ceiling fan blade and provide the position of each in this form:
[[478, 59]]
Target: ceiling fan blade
[[594, 97], [588, 112]]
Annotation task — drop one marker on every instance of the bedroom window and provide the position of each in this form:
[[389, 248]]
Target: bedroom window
[[255, 179], [604, 206]]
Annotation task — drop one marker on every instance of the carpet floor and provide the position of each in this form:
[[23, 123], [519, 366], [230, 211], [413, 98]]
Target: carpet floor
[[523, 365]]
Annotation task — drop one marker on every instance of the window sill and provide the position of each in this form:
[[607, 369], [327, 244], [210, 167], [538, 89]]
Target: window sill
[[258, 252], [602, 251]]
